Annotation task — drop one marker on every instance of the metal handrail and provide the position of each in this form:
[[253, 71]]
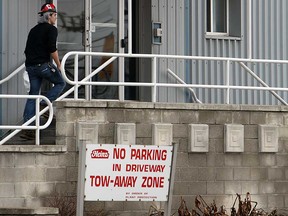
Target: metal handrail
[[154, 84], [36, 118]]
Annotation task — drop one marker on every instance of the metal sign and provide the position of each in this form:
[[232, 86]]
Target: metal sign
[[127, 172]]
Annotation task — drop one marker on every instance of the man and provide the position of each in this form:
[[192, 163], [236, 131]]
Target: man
[[40, 48]]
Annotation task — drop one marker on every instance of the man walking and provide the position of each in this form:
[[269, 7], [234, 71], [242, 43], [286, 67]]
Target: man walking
[[40, 48]]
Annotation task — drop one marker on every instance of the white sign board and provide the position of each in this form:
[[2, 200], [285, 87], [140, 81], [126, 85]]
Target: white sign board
[[127, 173]]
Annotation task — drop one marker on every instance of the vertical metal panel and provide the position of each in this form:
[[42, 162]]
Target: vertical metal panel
[[18, 17], [269, 41], [171, 15]]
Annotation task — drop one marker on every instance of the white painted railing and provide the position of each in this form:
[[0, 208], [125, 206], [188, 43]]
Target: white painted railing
[[36, 118], [37, 127], [154, 84]]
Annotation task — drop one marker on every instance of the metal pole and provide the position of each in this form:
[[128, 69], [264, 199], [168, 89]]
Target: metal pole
[[87, 43], [121, 62], [168, 204], [81, 178], [228, 82], [154, 79]]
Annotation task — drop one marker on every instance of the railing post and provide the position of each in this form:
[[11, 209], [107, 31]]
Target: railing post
[[228, 81], [154, 79], [37, 122], [76, 73]]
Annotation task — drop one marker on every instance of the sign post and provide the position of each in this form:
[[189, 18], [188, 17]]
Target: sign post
[[126, 173]]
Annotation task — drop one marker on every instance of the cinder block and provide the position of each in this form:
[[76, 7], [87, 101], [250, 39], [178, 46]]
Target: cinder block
[[267, 188], [259, 174], [125, 133], [223, 117], [281, 160], [197, 160], [11, 202], [234, 160], [56, 174], [181, 188], [92, 114], [115, 116], [44, 189], [216, 131], [6, 160], [198, 138], [224, 174], [7, 175], [87, 131], [72, 174], [197, 188], [251, 132], [30, 174], [136, 116], [232, 187], [250, 186], [215, 188], [151, 116], [7, 190], [65, 129], [276, 200], [276, 174], [242, 174], [162, 134], [281, 187], [206, 174], [186, 117], [250, 160], [268, 138], [180, 131], [207, 117], [267, 160], [188, 174], [234, 138], [215, 160], [25, 160], [43, 160], [241, 118], [24, 189], [170, 117]]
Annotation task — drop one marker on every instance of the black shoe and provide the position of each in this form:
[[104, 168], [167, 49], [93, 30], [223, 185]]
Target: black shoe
[[27, 134], [46, 114]]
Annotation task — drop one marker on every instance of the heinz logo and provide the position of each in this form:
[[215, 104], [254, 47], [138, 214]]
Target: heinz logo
[[100, 153]]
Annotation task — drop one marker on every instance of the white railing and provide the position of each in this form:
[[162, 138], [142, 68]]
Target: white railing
[[17, 128], [36, 118], [154, 84]]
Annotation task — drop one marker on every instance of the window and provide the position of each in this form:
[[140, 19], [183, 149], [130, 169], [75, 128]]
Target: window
[[223, 18]]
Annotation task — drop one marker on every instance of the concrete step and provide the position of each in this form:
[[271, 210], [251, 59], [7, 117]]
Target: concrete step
[[47, 136]]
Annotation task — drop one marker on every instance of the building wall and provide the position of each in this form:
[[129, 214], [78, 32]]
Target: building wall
[[269, 41], [30, 175], [17, 19]]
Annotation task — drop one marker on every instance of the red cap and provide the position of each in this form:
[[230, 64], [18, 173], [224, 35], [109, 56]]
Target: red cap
[[48, 8]]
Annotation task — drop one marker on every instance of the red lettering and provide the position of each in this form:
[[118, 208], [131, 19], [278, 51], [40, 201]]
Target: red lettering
[[152, 182], [100, 181], [119, 153]]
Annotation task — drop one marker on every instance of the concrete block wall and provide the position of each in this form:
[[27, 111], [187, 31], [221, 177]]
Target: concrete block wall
[[215, 174]]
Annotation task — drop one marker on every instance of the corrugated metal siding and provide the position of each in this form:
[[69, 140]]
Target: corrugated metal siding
[[18, 16], [269, 41], [171, 15]]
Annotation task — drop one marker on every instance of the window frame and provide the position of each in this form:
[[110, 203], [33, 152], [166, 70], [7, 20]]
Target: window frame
[[212, 20]]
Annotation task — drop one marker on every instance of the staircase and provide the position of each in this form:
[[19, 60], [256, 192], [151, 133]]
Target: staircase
[[47, 136]]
